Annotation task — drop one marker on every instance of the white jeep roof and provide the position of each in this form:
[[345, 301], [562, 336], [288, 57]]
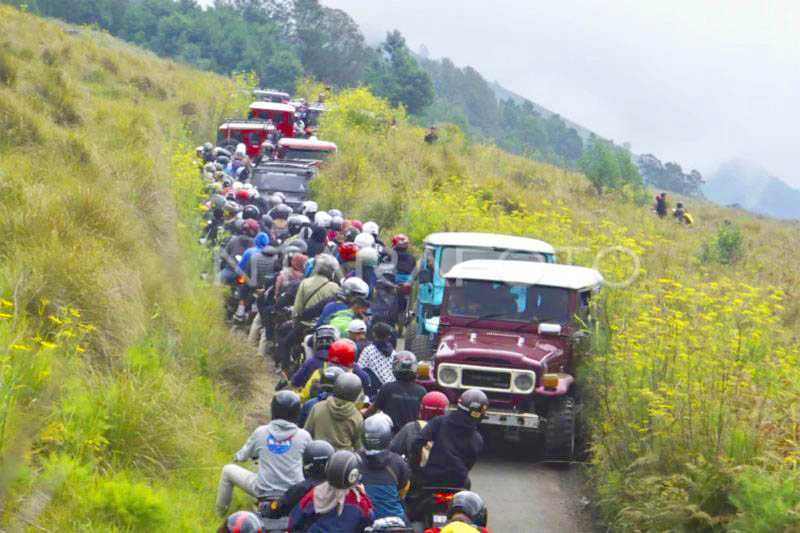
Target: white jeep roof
[[489, 240], [272, 106], [529, 273]]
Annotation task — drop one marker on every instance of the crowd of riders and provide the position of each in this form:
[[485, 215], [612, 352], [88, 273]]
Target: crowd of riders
[[354, 443]]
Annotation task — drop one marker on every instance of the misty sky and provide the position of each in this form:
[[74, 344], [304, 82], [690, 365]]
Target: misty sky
[[697, 81]]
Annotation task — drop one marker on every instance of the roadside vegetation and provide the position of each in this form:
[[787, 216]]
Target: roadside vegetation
[[121, 393], [692, 388]]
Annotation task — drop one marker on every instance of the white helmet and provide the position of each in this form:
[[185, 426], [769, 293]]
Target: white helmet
[[364, 240], [368, 257], [355, 287], [357, 326], [309, 206], [322, 219], [372, 228], [241, 149]]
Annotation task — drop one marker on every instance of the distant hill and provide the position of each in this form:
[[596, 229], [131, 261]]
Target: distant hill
[[505, 94], [753, 188]]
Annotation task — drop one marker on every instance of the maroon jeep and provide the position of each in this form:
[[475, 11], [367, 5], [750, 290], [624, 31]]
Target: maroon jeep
[[510, 328]]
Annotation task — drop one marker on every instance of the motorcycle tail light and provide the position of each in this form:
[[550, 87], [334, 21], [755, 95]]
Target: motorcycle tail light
[[240, 280], [441, 498]]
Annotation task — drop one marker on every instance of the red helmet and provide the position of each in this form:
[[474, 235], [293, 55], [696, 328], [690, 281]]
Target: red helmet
[[433, 404], [242, 195], [342, 353], [400, 241], [250, 227], [357, 224], [347, 252]]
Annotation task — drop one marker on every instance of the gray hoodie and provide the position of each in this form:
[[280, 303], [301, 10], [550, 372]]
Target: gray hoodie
[[279, 447]]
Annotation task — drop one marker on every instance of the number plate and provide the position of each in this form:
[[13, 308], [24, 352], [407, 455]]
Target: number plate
[[526, 420], [439, 519]]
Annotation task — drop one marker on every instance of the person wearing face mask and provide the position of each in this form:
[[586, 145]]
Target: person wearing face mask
[[378, 356]]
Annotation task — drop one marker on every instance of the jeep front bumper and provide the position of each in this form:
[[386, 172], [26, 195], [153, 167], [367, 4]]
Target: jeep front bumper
[[497, 418]]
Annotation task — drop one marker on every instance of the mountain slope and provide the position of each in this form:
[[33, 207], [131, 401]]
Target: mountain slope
[[753, 188]]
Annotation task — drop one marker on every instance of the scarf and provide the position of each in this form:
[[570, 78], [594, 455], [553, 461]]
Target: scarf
[[327, 497]]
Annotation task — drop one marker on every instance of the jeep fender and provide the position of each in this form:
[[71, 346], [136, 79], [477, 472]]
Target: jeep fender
[[565, 382]]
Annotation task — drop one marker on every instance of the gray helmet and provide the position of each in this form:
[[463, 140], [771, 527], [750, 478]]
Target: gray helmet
[[377, 433], [207, 146], [328, 378], [343, 470], [335, 213], [324, 336], [326, 265], [470, 504], [347, 387]]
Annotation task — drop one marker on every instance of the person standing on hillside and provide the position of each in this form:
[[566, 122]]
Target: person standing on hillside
[[661, 205]]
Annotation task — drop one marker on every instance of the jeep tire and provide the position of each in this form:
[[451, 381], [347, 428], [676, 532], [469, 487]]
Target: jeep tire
[[559, 432]]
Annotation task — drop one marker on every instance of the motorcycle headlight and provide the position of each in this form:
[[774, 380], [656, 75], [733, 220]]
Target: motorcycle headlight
[[523, 382], [448, 376]]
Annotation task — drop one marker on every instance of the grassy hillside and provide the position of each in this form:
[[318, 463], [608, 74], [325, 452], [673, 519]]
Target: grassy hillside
[[693, 384], [120, 390]]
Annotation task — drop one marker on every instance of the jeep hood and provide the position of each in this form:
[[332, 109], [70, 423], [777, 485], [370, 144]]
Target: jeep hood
[[481, 346]]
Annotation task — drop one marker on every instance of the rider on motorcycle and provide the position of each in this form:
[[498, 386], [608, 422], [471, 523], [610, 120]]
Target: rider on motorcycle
[[341, 353], [315, 458], [351, 288], [324, 389], [467, 514], [377, 358], [278, 446], [456, 442], [324, 337], [400, 399], [433, 404], [336, 418], [339, 504], [385, 475]]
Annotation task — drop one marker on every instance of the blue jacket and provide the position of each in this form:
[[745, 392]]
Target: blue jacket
[[261, 242], [384, 476], [307, 370]]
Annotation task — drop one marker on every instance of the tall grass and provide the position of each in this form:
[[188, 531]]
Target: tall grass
[[692, 386], [120, 388]]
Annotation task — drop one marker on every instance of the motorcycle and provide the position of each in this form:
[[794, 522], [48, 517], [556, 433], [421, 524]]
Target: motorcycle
[[428, 506]]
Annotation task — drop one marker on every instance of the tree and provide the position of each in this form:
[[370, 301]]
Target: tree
[[608, 166], [396, 76]]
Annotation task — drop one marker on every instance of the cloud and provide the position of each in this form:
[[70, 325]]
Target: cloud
[[697, 81]]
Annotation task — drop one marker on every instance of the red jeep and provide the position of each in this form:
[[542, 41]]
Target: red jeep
[[510, 328], [281, 115], [250, 132]]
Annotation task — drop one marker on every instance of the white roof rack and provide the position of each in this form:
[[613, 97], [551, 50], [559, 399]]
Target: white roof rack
[[528, 273], [272, 106], [489, 240]]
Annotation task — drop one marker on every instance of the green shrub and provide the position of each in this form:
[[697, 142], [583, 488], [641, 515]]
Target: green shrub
[[726, 247], [766, 502], [129, 505]]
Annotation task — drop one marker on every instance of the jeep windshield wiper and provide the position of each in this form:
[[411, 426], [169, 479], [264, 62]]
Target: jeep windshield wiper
[[485, 317]]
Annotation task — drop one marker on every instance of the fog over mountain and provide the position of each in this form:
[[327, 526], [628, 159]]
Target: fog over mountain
[[695, 81]]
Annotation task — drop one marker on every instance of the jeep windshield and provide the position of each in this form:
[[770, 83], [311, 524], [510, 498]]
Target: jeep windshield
[[492, 300], [453, 255], [317, 155]]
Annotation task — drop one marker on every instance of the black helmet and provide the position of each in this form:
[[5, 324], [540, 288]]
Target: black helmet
[[223, 160], [315, 458], [281, 211], [377, 433], [347, 387], [286, 406], [324, 337], [474, 402], [404, 367], [328, 378], [381, 331], [471, 505], [251, 211], [351, 234], [343, 470], [243, 522], [266, 221]]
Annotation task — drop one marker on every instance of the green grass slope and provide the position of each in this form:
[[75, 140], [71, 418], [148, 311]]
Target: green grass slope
[[692, 384], [120, 390]]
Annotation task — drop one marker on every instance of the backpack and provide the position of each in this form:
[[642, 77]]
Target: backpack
[[340, 320], [288, 294]]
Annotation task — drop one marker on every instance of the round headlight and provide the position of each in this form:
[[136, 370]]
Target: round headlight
[[448, 375], [523, 382]]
